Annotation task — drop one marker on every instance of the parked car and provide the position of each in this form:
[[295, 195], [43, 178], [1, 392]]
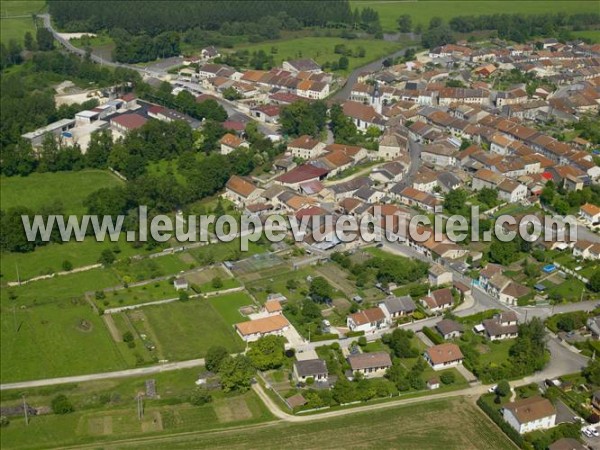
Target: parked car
[[594, 432]]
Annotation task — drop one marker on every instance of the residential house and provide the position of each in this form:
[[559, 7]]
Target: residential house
[[449, 329], [395, 307], [370, 365], [439, 155], [586, 250], [301, 65], [124, 123], [530, 414], [444, 356], [311, 368], [590, 213], [230, 142], [306, 147], [363, 116], [253, 330], [368, 320], [266, 113], [413, 197], [567, 444], [241, 191], [392, 145], [433, 383], [501, 326], [180, 284], [438, 300], [301, 174], [438, 275]]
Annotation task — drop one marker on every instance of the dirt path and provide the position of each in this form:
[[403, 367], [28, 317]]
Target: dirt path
[[112, 328]]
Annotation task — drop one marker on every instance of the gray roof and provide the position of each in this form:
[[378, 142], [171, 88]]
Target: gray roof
[[447, 326], [493, 327], [311, 367], [399, 304]]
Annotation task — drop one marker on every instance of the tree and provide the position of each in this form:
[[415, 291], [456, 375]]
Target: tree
[[44, 38], [400, 343], [267, 353], [236, 373], [594, 281], [320, 290], [503, 389], [67, 265], [291, 284], [107, 257], [454, 202], [200, 396], [217, 282], [343, 391], [214, 357], [343, 63], [29, 43], [488, 196], [61, 405], [362, 341], [503, 252], [435, 37], [405, 23]]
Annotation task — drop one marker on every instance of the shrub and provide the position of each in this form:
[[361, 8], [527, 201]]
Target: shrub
[[200, 396], [362, 341], [433, 336], [61, 405], [448, 378], [498, 420]]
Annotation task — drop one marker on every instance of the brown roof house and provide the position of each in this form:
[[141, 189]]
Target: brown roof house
[[449, 329], [306, 147], [438, 300], [231, 142], [371, 365], [241, 191], [253, 330], [311, 368], [530, 414], [368, 320], [444, 356]]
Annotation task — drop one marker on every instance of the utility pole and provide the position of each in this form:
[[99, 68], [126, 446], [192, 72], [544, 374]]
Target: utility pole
[[25, 411]]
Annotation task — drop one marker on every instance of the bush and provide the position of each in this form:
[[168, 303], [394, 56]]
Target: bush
[[67, 265], [61, 405], [200, 396], [448, 378], [355, 333], [362, 341], [322, 337], [217, 283], [4, 421]]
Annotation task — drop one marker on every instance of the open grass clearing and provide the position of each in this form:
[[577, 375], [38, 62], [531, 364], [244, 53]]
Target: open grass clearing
[[459, 424], [68, 189], [186, 330], [422, 11], [321, 49], [228, 306]]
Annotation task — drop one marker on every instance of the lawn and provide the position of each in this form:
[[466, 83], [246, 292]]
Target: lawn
[[423, 11], [185, 330], [49, 258], [496, 352], [228, 306], [458, 425], [593, 35], [16, 18], [321, 49], [48, 330], [68, 189]]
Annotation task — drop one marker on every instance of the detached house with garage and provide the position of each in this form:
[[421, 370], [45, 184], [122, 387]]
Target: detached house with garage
[[368, 320], [501, 326], [438, 300], [395, 307], [230, 143], [311, 368]]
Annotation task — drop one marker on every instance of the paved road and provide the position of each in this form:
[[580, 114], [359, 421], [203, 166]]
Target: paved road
[[344, 93]]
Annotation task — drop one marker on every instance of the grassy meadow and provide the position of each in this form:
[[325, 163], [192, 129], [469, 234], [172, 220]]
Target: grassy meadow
[[16, 20], [422, 11]]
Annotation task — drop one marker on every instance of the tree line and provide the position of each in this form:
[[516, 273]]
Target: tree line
[[156, 17]]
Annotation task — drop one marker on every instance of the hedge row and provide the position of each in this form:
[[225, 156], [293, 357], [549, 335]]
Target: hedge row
[[323, 337], [355, 333], [433, 336]]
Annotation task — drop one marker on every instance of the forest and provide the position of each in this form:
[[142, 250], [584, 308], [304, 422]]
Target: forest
[[155, 17]]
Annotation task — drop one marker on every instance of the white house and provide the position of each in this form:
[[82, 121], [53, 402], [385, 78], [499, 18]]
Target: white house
[[394, 307], [530, 414], [311, 368], [253, 330], [371, 365], [368, 320], [241, 191], [590, 213], [306, 147], [444, 356]]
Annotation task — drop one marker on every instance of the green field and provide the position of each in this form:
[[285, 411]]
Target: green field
[[423, 11], [48, 330], [16, 18], [321, 49], [593, 35], [42, 189], [448, 424], [105, 410], [228, 306], [185, 330]]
